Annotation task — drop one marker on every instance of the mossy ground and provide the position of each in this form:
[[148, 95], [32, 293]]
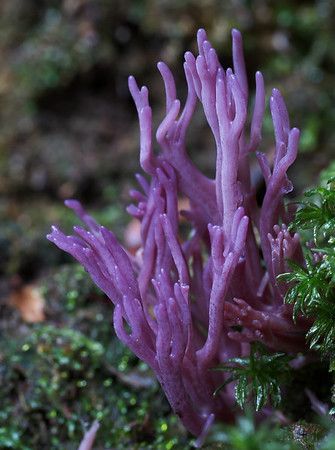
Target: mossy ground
[[59, 375], [56, 377]]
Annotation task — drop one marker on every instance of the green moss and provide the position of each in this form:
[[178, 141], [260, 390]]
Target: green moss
[[57, 380], [246, 435], [53, 54], [57, 377]]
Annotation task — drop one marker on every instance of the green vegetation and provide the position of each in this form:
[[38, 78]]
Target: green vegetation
[[258, 376], [61, 375], [312, 288], [246, 435], [311, 292]]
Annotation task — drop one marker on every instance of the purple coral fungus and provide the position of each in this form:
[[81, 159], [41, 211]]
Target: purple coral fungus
[[192, 305]]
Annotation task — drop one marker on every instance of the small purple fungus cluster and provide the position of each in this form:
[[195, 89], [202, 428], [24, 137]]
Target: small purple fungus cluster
[[184, 307]]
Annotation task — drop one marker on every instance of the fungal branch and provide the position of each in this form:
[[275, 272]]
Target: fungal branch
[[186, 306]]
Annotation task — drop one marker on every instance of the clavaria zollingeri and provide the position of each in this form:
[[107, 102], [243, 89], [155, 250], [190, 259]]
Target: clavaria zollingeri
[[186, 306]]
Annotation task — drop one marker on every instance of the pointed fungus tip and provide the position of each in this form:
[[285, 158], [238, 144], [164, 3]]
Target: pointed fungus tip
[[275, 92], [296, 131], [236, 34], [71, 203], [131, 81]]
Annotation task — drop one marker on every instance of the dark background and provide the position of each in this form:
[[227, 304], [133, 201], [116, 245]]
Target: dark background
[[68, 127]]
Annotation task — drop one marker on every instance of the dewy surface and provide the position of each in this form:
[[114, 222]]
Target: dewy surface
[[192, 304]]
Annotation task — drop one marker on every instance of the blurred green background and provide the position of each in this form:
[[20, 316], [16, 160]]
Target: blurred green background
[[68, 128]]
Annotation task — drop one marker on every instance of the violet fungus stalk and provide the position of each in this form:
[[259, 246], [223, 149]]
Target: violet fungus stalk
[[193, 305]]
